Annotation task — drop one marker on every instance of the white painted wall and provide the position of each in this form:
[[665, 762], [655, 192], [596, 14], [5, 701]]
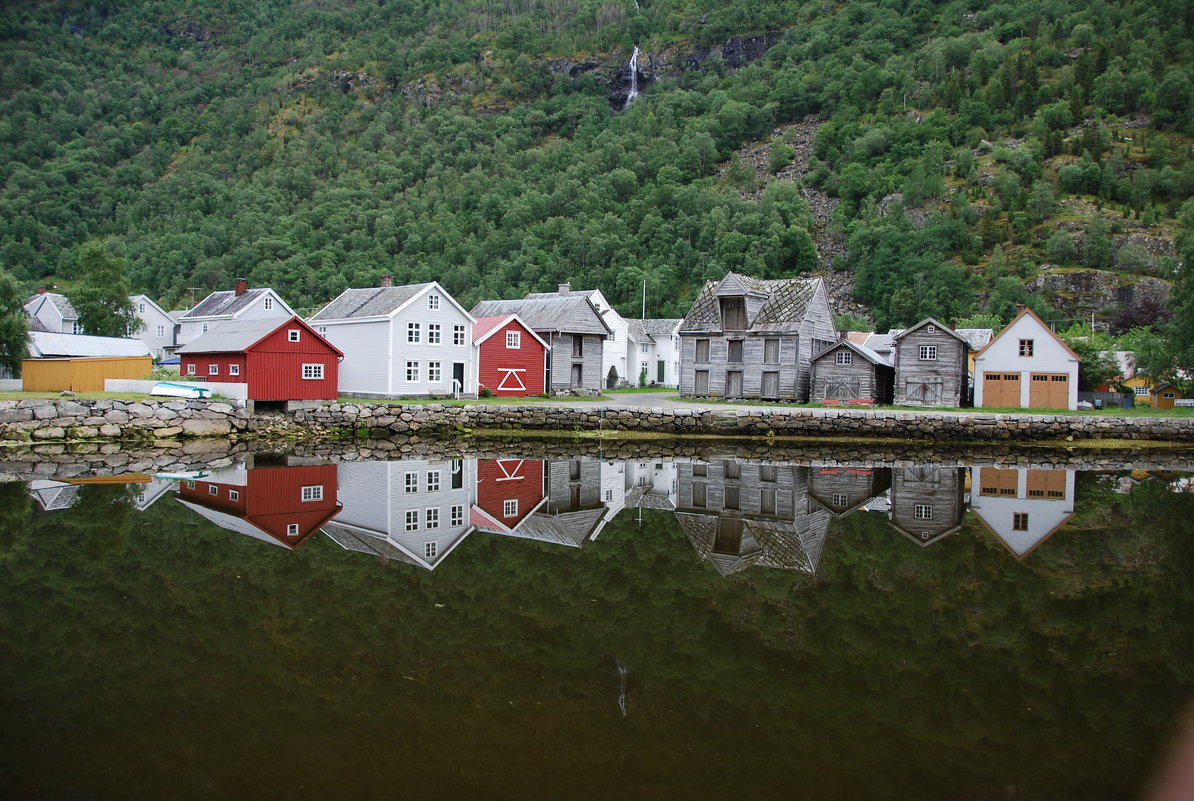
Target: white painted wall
[[156, 329], [425, 352], [1044, 514], [236, 392], [365, 344], [1003, 356]]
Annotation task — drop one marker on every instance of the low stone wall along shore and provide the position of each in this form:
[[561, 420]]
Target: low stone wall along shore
[[71, 419]]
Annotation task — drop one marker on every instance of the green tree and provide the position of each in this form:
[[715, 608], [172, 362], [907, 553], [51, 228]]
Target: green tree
[[102, 299], [1097, 367], [14, 325], [1060, 247], [1096, 245], [1177, 332]]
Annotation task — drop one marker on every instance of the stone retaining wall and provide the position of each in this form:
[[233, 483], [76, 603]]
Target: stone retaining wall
[[70, 419]]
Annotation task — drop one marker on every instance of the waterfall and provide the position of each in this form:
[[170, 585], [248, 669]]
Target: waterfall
[[622, 672], [633, 79]]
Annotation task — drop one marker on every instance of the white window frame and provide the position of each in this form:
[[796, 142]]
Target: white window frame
[[431, 549], [414, 333], [431, 517], [434, 372], [191, 369], [412, 520], [1141, 391], [922, 511], [434, 336], [458, 335], [292, 529], [928, 353], [234, 369], [213, 369], [433, 480], [433, 301], [269, 303], [457, 515], [213, 489], [161, 331], [510, 507], [410, 483], [311, 492], [233, 495], [513, 340], [412, 372], [293, 335], [312, 372], [843, 357]]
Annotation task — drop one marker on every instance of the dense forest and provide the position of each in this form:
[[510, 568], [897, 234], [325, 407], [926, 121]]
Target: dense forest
[[946, 158]]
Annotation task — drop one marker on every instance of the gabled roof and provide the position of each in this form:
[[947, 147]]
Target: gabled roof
[[882, 343], [226, 303], [787, 302], [382, 301], [861, 350], [566, 314], [236, 336], [143, 298], [485, 327], [61, 302], [641, 330], [976, 338], [51, 344], [1029, 312], [931, 321]]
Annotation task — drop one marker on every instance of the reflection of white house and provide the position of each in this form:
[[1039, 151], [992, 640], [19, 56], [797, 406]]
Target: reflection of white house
[[651, 485], [148, 494], [52, 495], [1022, 507], [413, 511]]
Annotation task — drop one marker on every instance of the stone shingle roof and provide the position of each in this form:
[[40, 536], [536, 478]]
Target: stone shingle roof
[[368, 302], [566, 314], [61, 302], [223, 303], [862, 350], [787, 303]]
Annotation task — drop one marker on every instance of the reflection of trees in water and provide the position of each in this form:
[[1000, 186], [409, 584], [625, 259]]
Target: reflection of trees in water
[[102, 517], [15, 509]]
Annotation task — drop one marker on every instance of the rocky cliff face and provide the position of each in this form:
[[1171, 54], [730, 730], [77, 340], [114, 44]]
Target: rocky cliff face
[[1078, 292]]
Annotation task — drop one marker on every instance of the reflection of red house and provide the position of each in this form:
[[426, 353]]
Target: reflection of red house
[[511, 358], [280, 505], [508, 491], [279, 361]]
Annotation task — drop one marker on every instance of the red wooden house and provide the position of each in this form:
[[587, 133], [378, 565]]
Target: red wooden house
[[511, 358], [279, 361], [508, 491], [280, 505]]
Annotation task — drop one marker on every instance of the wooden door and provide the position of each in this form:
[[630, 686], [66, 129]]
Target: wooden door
[[927, 392], [1001, 390], [578, 374], [843, 389], [701, 383], [659, 369], [771, 384], [997, 482], [1049, 391], [734, 384]]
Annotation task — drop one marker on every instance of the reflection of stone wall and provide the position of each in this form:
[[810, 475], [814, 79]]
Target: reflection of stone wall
[[78, 419]]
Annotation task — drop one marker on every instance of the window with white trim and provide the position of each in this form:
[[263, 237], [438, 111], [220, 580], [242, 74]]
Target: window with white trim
[[190, 369], [293, 335], [234, 369], [161, 331], [458, 335], [932, 329], [233, 495], [212, 489], [434, 372], [412, 519], [433, 481], [269, 303], [410, 483], [292, 530], [412, 371], [840, 499], [312, 372], [644, 348], [312, 492], [843, 357], [1019, 521], [433, 302], [412, 332], [433, 333], [213, 369], [431, 550], [205, 328], [457, 515], [513, 339], [928, 352], [141, 308], [1138, 391], [431, 518], [922, 511], [510, 508], [189, 484]]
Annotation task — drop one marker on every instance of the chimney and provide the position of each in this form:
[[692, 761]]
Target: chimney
[[565, 288], [242, 286], [1019, 308], [387, 280], [842, 336], [41, 290]]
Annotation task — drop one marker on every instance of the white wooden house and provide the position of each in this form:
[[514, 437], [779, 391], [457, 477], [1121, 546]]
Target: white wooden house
[[1022, 507], [1026, 365], [240, 303], [157, 328], [50, 311], [414, 511], [400, 341], [655, 351]]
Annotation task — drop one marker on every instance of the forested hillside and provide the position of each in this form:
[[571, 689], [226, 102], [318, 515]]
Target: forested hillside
[[958, 154]]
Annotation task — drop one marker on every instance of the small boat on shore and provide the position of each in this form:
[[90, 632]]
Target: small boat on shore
[[180, 390]]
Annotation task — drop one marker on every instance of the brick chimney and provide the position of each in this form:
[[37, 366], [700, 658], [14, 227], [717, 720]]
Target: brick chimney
[[41, 290], [242, 286], [386, 281], [1019, 308], [565, 288]]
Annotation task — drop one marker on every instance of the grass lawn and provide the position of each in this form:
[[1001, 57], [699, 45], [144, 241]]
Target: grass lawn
[[1139, 411]]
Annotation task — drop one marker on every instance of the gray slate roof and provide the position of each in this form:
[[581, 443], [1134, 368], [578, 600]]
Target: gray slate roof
[[566, 314], [50, 344], [862, 350], [976, 338], [60, 301], [787, 302], [368, 302], [224, 302], [640, 330], [940, 327], [233, 336]]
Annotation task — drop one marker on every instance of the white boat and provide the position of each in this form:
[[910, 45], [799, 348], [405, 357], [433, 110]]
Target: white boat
[[179, 390]]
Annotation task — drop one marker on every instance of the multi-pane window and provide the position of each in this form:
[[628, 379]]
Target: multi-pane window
[[770, 351], [161, 331], [234, 369], [434, 372], [233, 495], [213, 369], [212, 489], [1026, 347], [412, 519], [312, 372], [410, 483], [510, 508], [457, 515], [204, 328], [1139, 391], [932, 329], [702, 350], [1020, 521], [293, 335], [433, 481], [433, 333], [190, 369], [313, 492], [292, 529], [843, 357], [431, 518], [928, 352], [513, 339], [643, 348], [269, 304], [433, 301], [412, 332], [430, 550], [141, 308], [412, 371], [922, 511], [458, 335], [840, 500]]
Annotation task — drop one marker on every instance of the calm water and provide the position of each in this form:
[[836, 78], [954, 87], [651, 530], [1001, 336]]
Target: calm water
[[519, 628]]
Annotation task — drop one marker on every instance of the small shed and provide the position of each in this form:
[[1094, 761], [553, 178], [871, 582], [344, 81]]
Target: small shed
[[511, 358], [847, 371], [279, 361], [931, 365], [81, 363], [1164, 395]]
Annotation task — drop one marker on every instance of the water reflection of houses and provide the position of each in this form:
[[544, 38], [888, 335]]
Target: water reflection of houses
[[1022, 507], [413, 511], [741, 514], [53, 495], [651, 485], [927, 502], [283, 506], [841, 491]]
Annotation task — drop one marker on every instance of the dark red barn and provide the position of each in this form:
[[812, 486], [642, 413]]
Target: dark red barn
[[280, 505], [279, 361], [508, 490], [511, 358]]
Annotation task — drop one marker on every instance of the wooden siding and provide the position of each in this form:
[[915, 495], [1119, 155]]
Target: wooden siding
[[842, 489], [502, 480], [562, 360], [502, 369], [273, 367], [940, 489], [947, 372], [751, 366], [81, 375], [271, 499], [424, 352], [858, 380]]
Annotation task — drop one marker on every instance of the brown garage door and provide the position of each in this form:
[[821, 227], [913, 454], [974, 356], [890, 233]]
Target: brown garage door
[[1049, 391], [1001, 390]]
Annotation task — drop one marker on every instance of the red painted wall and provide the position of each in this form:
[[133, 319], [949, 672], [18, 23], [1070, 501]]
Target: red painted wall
[[494, 356], [273, 368], [499, 480]]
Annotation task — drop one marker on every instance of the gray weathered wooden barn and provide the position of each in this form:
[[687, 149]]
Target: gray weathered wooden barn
[[931, 366], [752, 338], [927, 503], [848, 372]]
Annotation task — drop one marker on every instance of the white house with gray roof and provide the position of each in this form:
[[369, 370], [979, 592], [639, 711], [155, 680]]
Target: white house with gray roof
[[751, 338], [574, 329], [241, 303], [157, 328], [655, 348], [50, 311], [400, 341]]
